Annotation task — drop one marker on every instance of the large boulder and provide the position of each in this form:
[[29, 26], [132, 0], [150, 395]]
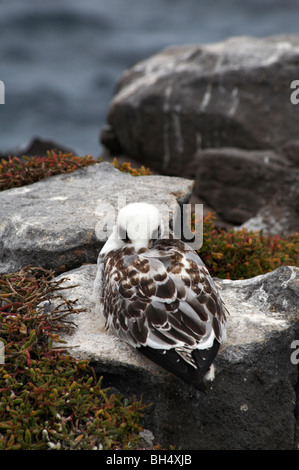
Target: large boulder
[[234, 93], [57, 223], [182, 109], [253, 401]]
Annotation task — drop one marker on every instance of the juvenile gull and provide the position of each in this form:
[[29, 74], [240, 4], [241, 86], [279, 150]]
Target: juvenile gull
[[156, 294]]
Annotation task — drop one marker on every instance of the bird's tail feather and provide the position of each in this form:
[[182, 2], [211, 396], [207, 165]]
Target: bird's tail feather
[[173, 362]]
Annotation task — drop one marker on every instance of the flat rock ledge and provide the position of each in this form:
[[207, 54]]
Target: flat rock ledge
[[253, 401], [57, 223]]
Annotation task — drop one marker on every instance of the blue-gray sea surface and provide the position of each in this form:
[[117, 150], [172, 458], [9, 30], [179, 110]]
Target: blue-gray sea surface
[[60, 59]]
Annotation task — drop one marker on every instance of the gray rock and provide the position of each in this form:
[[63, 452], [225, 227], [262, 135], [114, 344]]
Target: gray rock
[[291, 150], [238, 182], [252, 402], [58, 223], [36, 147], [235, 93], [280, 216], [178, 111]]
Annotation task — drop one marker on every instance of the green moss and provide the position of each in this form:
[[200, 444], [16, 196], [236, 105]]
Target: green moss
[[15, 172], [243, 254], [49, 400], [127, 168]]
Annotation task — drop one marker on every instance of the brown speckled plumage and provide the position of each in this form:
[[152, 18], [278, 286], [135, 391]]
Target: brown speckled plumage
[[164, 302]]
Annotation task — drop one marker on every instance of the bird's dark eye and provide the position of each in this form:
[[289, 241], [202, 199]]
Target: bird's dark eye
[[126, 239], [156, 234]]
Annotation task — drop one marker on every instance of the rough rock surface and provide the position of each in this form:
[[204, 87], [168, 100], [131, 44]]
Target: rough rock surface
[[281, 214], [238, 182], [54, 223], [252, 402], [232, 94]]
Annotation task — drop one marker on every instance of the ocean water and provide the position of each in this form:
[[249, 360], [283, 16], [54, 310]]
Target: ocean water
[[60, 59]]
